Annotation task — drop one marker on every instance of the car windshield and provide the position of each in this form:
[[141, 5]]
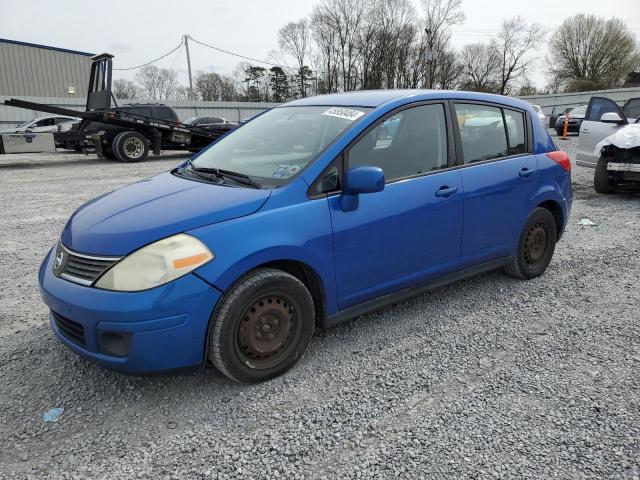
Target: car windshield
[[189, 121], [276, 145], [24, 124]]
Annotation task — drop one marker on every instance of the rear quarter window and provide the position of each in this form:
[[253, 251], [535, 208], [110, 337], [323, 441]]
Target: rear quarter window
[[516, 129]]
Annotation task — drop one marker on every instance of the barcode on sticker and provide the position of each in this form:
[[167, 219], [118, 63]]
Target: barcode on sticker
[[346, 113]]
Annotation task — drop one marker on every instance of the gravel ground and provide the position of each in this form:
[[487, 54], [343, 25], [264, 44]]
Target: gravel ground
[[488, 378]]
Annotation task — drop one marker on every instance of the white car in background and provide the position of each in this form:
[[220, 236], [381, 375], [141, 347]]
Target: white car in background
[[50, 123], [608, 145]]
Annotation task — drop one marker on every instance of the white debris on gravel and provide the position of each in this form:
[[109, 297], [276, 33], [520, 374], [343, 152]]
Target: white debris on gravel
[[586, 222], [487, 378]]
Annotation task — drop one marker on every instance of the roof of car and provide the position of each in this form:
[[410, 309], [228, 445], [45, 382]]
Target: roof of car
[[376, 98]]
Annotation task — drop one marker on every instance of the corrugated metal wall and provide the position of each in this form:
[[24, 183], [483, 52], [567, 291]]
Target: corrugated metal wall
[[234, 111], [36, 71], [242, 110], [547, 102]]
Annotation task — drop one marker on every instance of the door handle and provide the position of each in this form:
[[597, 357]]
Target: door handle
[[526, 173], [585, 130], [445, 191]]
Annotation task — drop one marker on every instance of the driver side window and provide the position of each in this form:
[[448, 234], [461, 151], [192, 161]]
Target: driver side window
[[410, 143]]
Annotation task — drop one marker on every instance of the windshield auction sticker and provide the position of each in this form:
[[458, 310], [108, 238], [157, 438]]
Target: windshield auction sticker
[[346, 113]]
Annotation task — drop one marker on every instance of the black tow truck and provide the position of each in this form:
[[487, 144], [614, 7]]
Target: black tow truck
[[125, 133]]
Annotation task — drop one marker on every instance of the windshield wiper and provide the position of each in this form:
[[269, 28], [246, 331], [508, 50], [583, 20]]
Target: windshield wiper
[[235, 176]]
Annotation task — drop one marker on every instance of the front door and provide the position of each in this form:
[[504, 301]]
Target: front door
[[410, 232], [593, 131]]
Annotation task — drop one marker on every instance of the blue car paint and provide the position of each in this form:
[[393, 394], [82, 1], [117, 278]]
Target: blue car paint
[[138, 214], [246, 228], [168, 322]]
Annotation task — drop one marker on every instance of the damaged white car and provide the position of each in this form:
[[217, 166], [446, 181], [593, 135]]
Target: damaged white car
[[610, 143]]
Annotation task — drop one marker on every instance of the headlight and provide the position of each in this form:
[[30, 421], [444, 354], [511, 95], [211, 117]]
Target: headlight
[[156, 264]]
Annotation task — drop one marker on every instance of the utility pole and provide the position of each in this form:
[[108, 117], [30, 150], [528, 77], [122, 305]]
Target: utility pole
[[186, 44], [430, 57]]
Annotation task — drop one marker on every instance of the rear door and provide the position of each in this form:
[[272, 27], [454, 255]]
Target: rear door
[[592, 130], [499, 175]]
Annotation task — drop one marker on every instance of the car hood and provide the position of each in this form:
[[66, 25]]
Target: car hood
[[126, 219]]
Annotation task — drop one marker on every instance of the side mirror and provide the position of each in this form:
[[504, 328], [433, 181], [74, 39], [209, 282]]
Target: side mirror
[[611, 117], [360, 180], [363, 180]]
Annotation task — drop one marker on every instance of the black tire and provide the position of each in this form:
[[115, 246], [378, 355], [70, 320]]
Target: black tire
[[559, 132], [107, 152], [261, 326], [535, 247], [130, 147], [601, 181]]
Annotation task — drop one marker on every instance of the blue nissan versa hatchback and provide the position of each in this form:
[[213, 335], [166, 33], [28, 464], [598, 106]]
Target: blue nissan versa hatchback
[[310, 214]]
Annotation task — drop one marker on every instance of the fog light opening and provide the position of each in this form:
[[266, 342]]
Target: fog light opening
[[116, 344]]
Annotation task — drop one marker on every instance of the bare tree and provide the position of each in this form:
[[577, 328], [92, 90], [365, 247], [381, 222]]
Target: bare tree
[[386, 36], [180, 93], [168, 83], [588, 53], [514, 44], [341, 22], [293, 39], [448, 70], [480, 67], [149, 79], [440, 16], [157, 83], [124, 89]]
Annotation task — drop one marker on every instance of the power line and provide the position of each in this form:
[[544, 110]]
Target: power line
[[175, 59], [152, 61], [234, 54]]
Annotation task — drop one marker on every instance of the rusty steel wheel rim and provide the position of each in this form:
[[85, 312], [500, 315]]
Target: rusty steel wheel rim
[[266, 330], [535, 245]]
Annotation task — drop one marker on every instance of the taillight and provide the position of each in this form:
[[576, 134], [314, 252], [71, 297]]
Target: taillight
[[561, 158]]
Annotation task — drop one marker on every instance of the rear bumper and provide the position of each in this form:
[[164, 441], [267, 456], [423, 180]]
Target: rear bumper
[[166, 326]]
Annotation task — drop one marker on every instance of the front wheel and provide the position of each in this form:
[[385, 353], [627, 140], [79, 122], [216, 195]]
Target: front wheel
[[535, 247], [261, 327], [601, 180]]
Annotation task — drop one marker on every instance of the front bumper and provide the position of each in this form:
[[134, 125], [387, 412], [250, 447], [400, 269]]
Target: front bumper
[[166, 325]]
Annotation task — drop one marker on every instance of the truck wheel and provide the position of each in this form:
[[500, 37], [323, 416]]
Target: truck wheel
[[536, 246], [601, 181], [130, 147], [261, 326], [107, 152]]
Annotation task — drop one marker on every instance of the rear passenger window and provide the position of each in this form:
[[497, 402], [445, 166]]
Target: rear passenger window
[[482, 132], [164, 113], [411, 142], [516, 129]]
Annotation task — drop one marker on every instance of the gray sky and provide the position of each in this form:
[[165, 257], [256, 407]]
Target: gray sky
[[137, 31]]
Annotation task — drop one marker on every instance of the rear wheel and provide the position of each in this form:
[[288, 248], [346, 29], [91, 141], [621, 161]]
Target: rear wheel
[[130, 147], [536, 246], [261, 327], [107, 152], [601, 181]]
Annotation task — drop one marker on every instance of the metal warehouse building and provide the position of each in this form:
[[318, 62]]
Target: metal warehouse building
[[28, 69]]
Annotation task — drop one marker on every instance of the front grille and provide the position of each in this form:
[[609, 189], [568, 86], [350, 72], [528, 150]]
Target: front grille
[[80, 268], [70, 329]]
